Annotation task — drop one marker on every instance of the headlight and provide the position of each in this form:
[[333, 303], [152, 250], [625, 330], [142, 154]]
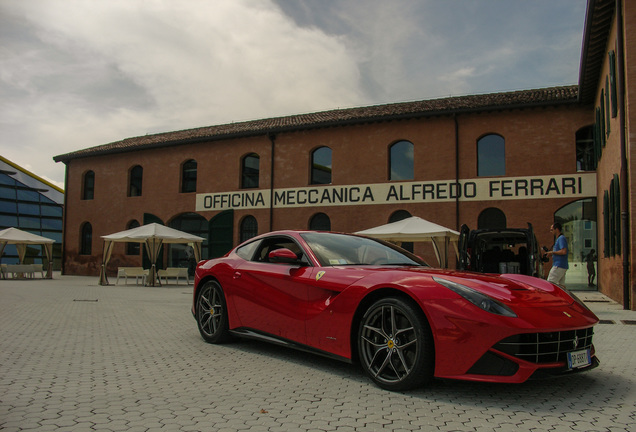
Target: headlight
[[480, 300], [576, 299]]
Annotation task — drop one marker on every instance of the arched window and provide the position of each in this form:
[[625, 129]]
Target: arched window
[[183, 254], [321, 166], [491, 218], [86, 239], [189, 176], [133, 248], [320, 222], [578, 220], [249, 228], [250, 171], [136, 178], [88, 186], [491, 156], [192, 223], [401, 161], [398, 216], [585, 157]]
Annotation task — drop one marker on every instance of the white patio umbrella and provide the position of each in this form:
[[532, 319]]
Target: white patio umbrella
[[153, 236], [21, 239], [416, 229]]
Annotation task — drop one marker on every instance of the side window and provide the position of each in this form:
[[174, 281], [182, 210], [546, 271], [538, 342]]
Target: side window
[[189, 176], [491, 156], [135, 179], [271, 244], [247, 251], [250, 171], [401, 165], [88, 186], [321, 166], [86, 239]]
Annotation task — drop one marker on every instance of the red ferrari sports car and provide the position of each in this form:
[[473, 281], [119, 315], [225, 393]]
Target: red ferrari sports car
[[363, 300]]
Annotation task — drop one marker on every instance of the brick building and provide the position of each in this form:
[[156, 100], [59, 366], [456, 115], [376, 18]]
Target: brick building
[[508, 159], [607, 82]]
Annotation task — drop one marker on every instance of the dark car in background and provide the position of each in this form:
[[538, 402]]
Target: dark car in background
[[503, 250]]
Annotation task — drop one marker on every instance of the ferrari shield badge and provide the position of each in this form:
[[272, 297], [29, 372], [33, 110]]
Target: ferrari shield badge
[[319, 275]]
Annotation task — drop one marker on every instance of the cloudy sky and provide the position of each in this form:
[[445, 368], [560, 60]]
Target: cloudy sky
[[80, 73]]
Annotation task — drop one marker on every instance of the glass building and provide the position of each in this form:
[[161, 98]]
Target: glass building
[[31, 204]]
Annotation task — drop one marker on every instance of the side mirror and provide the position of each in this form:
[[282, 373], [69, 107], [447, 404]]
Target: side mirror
[[283, 255]]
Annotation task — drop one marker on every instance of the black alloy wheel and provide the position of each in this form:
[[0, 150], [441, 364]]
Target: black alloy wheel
[[395, 345], [211, 313]]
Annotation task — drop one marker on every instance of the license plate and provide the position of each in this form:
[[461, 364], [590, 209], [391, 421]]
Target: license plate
[[578, 359]]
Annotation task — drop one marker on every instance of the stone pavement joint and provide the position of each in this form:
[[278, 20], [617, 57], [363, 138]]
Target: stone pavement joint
[[76, 356]]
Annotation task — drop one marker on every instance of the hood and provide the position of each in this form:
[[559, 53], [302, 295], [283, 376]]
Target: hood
[[522, 290]]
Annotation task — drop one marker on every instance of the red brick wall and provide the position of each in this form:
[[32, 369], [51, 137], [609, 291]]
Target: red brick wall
[[629, 16], [610, 275], [539, 141]]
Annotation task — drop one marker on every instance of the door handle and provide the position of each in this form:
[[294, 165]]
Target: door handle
[[237, 275]]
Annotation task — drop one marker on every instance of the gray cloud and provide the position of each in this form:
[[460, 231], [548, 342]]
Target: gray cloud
[[79, 73]]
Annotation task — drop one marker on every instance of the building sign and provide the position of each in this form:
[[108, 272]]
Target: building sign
[[481, 189]]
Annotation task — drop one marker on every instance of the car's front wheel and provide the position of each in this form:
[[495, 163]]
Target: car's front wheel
[[211, 313], [395, 345]]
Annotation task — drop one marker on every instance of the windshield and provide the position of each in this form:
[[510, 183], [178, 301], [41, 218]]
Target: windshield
[[341, 249]]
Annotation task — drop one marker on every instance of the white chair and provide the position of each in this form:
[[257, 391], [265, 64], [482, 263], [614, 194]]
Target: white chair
[[175, 272], [136, 272]]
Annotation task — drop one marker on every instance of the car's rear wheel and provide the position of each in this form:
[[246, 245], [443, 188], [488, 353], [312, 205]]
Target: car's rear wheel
[[211, 313], [395, 345]]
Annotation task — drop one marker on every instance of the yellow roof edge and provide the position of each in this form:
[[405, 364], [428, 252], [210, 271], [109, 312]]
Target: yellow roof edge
[[29, 173]]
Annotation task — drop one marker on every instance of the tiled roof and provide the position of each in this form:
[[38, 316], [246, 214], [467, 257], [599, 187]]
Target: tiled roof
[[340, 117]]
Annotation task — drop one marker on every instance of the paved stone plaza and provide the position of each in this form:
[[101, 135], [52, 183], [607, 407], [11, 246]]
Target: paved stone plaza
[[75, 356]]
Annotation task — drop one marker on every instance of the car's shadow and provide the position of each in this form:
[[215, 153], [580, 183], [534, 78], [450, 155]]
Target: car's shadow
[[588, 389]]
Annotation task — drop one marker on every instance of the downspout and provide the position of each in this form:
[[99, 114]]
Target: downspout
[[272, 139], [620, 56], [456, 171], [64, 220]]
